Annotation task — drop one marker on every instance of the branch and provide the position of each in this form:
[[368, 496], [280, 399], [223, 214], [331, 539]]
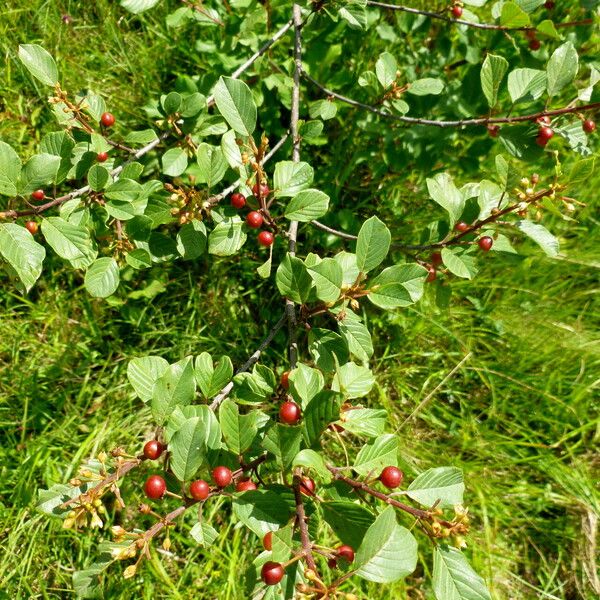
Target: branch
[[302, 526], [342, 234], [442, 17], [249, 363], [459, 123]]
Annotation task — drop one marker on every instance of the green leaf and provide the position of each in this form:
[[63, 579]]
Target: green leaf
[[443, 191], [307, 205], [176, 387], [540, 235], [39, 63], [171, 103], [385, 69], [400, 285], [234, 101], [322, 410], [227, 237], [143, 373], [204, 534], [10, 170], [212, 164], [305, 383], [327, 276], [289, 178], [374, 457], [454, 578], [256, 386], [138, 6], [174, 162], [282, 545], [326, 347], [492, 73], [195, 412], [293, 280], [350, 271], [443, 484], [283, 442], [425, 87], [513, 15], [369, 422], [562, 68], [98, 177], [210, 378], [312, 460], [188, 448], [238, 430], [356, 334], [102, 277], [353, 381], [326, 109], [373, 244], [460, 264], [60, 144], [548, 29], [581, 172], [191, 240], [388, 551], [22, 253], [262, 510], [49, 501], [71, 242], [349, 521], [39, 170], [525, 85], [355, 14]]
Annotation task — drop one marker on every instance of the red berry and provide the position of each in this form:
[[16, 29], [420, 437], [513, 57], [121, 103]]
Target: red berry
[[153, 449], [268, 541], [535, 44], [485, 243], [199, 489], [436, 258], [272, 573], [155, 487], [266, 238], [245, 485], [391, 477], [254, 219], [461, 226], [545, 120], [457, 11], [263, 190], [549, 5], [346, 552], [289, 412], [38, 195], [221, 476], [431, 274], [540, 141], [107, 119], [285, 380], [238, 200], [545, 133], [307, 486], [589, 126], [493, 130], [32, 227], [102, 156], [332, 563]]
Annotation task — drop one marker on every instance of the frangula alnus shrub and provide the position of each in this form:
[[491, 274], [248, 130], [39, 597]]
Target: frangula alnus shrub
[[277, 442]]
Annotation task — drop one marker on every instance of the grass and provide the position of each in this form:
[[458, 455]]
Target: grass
[[503, 384]]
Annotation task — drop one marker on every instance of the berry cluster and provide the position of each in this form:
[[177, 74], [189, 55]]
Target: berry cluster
[[255, 218]]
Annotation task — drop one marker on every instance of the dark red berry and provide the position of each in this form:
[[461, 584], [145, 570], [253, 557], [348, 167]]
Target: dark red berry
[[535, 44], [266, 238], [493, 130], [155, 487], [549, 4], [307, 486], [431, 274], [245, 485], [541, 141], [391, 477], [221, 476], [32, 227], [272, 573], [268, 541], [545, 133], [254, 219], [102, 156], [436, 258], [199, 489], [107, 119], [238, 200], [457, 11], [461, 226], [153, 449], [289, 412], [346, 552], [332, 563], [589, 126], [285, 380], [485, 243], [38, 195], [263, 190]]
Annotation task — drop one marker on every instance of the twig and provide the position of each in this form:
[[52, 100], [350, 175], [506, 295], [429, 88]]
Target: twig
[[302, 526], [459, 123], [342, 234]]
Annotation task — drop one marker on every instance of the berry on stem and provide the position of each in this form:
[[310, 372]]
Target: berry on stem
[[485, 243], [261, 191], [102, 156], [457, 11], [461, 226], [155, 487], [545, 120], [589, 126], [431, 274], [153, 449], [254, 219], [32, 227], [546, 133], [38, 195], [332, 563], [221, 476], [535, 44], [493, 130], [307, 486], [107, 119], [266, 238], [436, 258], [238, 200], [346, 552], [285, 380], [245, 485], [391, 477], [268, 541], [540, 141], [199, 489], [289, 412], [272, 573]]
